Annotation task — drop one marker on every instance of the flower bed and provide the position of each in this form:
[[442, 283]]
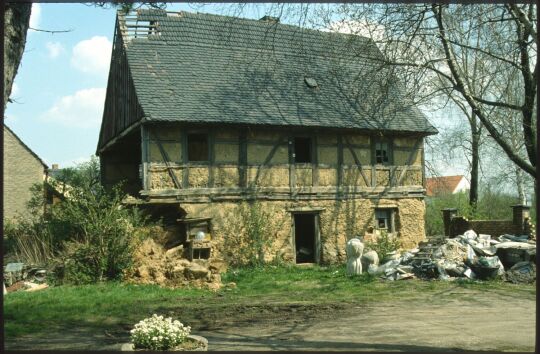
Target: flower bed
[[159, 333]]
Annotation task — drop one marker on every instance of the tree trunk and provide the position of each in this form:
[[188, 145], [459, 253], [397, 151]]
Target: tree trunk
[[521, 187], [475, 147], [17, 22]]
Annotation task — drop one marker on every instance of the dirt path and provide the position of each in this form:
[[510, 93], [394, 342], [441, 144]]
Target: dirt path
[[450, 321]]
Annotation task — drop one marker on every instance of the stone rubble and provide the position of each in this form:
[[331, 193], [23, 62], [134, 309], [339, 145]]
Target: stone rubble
[[168, 267], [470, 256], [20, 276]]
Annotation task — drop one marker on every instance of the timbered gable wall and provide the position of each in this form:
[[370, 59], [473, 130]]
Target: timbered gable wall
[[122, 108]]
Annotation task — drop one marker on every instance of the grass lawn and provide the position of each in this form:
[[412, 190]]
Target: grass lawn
[[110, 305]]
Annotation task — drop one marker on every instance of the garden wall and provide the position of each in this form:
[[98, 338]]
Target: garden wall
[[519, 225]]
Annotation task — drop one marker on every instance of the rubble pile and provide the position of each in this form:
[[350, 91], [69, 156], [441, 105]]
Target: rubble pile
[[167, 267], [470, 256], [24, 277]]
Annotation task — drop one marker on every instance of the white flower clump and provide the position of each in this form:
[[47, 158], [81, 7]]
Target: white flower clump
[[158, 333]]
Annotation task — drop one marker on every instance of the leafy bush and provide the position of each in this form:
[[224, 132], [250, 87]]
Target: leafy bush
[[249, 234], [102, 234], [384, 244], [90, 236], [158, 333]]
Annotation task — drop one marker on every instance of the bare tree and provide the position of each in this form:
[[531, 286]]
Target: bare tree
[[466, 50]]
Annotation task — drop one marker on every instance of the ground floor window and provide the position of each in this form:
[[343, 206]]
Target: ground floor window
[[385, 219]]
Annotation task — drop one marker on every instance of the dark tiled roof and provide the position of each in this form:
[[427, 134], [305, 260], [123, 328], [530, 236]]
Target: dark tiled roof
[[218, 69]]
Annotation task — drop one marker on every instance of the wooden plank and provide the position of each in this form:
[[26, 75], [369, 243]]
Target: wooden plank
[[144, 157], [214, 194], [242, 159], [340, 160], [392, 176], [315, 162], [212, 158], [185, 170], [292, 167], [317, 239], [423, 164], [120, 136]]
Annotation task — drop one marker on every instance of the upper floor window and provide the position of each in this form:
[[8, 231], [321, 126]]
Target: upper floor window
[[197, 147], [382, 153], [302, 150]]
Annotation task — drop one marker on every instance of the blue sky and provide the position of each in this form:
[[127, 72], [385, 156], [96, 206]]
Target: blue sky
[[59, 90], [60, 86]]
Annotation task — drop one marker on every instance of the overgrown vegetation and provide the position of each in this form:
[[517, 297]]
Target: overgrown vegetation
[[88, 237], [248, 235], [491, 205], [384, 244]]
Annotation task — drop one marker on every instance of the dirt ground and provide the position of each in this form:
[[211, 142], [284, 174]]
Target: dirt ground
[[454, 320]]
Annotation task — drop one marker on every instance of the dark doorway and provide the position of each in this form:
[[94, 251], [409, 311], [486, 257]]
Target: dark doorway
[[305, 238]]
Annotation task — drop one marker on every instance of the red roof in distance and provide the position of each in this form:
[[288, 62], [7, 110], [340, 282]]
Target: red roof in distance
[[442, 185]]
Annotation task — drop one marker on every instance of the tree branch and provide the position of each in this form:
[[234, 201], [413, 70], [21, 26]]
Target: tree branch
[[522, 17], [460, 86], [52, 32], [497, 104], [484, 52]]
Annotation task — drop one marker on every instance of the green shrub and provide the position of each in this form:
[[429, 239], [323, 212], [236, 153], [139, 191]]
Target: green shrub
[[249, 234], [88, 237], [103, 234], [384, 244]]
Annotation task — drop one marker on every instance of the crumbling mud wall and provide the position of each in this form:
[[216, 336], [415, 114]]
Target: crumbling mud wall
[[226, 176], [411, 222], [262, 176], [159, 177], [339, 221]]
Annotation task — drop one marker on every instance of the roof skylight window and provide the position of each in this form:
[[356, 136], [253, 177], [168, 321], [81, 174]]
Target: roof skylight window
[[311, 82]]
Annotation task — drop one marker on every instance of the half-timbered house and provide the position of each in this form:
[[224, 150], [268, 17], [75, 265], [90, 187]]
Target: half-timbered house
[[206, 112]]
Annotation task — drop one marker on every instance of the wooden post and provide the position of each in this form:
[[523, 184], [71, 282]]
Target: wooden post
[[211, 158], [185, 160], [340, 161], [144, 157]]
